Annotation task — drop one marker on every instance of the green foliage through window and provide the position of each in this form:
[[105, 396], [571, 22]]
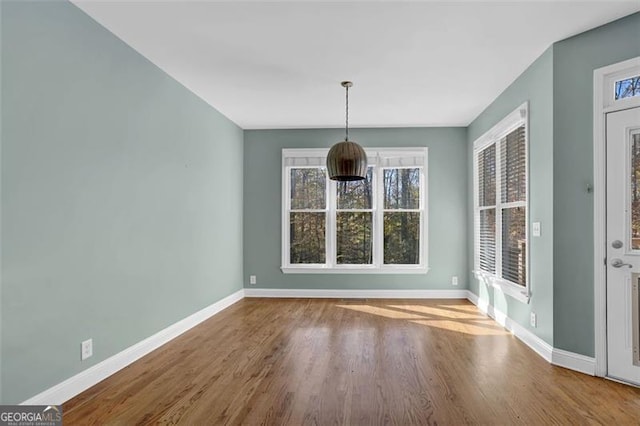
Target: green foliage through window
[[374, 222]]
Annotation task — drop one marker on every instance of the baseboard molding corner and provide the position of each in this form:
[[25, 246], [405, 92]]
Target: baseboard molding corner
[[82, 381], [541, 347], [574, 361], [472, 297], [356, 294]]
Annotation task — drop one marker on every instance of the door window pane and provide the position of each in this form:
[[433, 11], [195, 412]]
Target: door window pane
[[635, 304], [627, 88], [354, 235], [401, 188], [402, 238], [635, 192], [307, 237], [308, 188], [514, 245]]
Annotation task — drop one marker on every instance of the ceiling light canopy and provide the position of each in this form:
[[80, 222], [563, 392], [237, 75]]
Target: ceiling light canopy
[[347, 160]]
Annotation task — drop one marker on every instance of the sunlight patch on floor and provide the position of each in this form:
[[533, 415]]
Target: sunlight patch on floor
[[461, 327], [469, 321], [442, 311]]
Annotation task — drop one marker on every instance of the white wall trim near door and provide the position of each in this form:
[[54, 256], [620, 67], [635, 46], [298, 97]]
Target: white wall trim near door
[[541, 347], [71, 387], [603, 102], [356, 294], [574, 361]]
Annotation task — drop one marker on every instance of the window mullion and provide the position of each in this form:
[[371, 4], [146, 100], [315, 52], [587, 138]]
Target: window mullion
[[331, 238], [378, 229]]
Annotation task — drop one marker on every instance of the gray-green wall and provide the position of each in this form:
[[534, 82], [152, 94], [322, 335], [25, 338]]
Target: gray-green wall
[[535, 85], [121, 197], [559, 87], [447, 205], [574, 61]]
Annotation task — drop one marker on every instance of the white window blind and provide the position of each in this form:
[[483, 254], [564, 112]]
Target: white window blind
[[486, 241], [500, 194], [513, 169]]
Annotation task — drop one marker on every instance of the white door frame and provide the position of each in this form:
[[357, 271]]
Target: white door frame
[[603, 103]]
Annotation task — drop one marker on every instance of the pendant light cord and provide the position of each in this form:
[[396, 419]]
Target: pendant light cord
[[346, 138]]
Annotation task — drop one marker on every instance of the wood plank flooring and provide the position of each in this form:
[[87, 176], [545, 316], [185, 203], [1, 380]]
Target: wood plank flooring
[[350, 362]]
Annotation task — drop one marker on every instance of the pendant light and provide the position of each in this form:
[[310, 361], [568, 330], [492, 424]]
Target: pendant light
[[347, 160]]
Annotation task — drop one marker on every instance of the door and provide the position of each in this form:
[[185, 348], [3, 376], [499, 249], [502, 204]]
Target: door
[[623, 244]]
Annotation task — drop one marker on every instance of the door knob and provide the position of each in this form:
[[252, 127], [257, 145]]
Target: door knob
[[618, 263]]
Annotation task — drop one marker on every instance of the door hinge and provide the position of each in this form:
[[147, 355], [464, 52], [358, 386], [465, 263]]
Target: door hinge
[[605, 260]]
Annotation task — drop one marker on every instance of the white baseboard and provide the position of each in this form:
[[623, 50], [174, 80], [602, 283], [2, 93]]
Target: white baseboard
[[574, 361], [559, 357], [541, 347], [82, 381], [356, 294]]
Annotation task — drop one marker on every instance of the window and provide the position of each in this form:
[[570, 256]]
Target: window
[[627, 88], [377, 225], [500, 197]]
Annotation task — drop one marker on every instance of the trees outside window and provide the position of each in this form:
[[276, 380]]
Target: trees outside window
[[374, 225]]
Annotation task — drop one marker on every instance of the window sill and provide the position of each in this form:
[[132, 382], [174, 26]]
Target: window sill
[[354, 270], [515, 291]]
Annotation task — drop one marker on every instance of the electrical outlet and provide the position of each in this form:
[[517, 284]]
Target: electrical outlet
[[533, 320], [86, 349], [252, 279], [454, 280]]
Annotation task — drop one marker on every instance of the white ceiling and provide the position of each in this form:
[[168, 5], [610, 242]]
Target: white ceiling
[[279, 64]]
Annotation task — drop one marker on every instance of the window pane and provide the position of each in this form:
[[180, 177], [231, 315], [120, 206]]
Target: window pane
[[487, 243], [354, 238], [514, 245], [513, 163], [402, 238], [635, 192], [487, 176], [635, 314], [308, 188], [401, 188], [306, 233], [356, 194], [628, 88]]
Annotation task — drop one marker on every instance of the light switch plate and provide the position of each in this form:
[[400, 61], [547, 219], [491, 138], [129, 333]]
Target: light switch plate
[[536, 229]]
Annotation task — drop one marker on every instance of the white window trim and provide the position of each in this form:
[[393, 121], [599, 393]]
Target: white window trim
[[511, 122], [374, 155]]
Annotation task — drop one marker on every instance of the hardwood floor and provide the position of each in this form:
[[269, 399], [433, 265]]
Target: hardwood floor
[[351, 362]]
